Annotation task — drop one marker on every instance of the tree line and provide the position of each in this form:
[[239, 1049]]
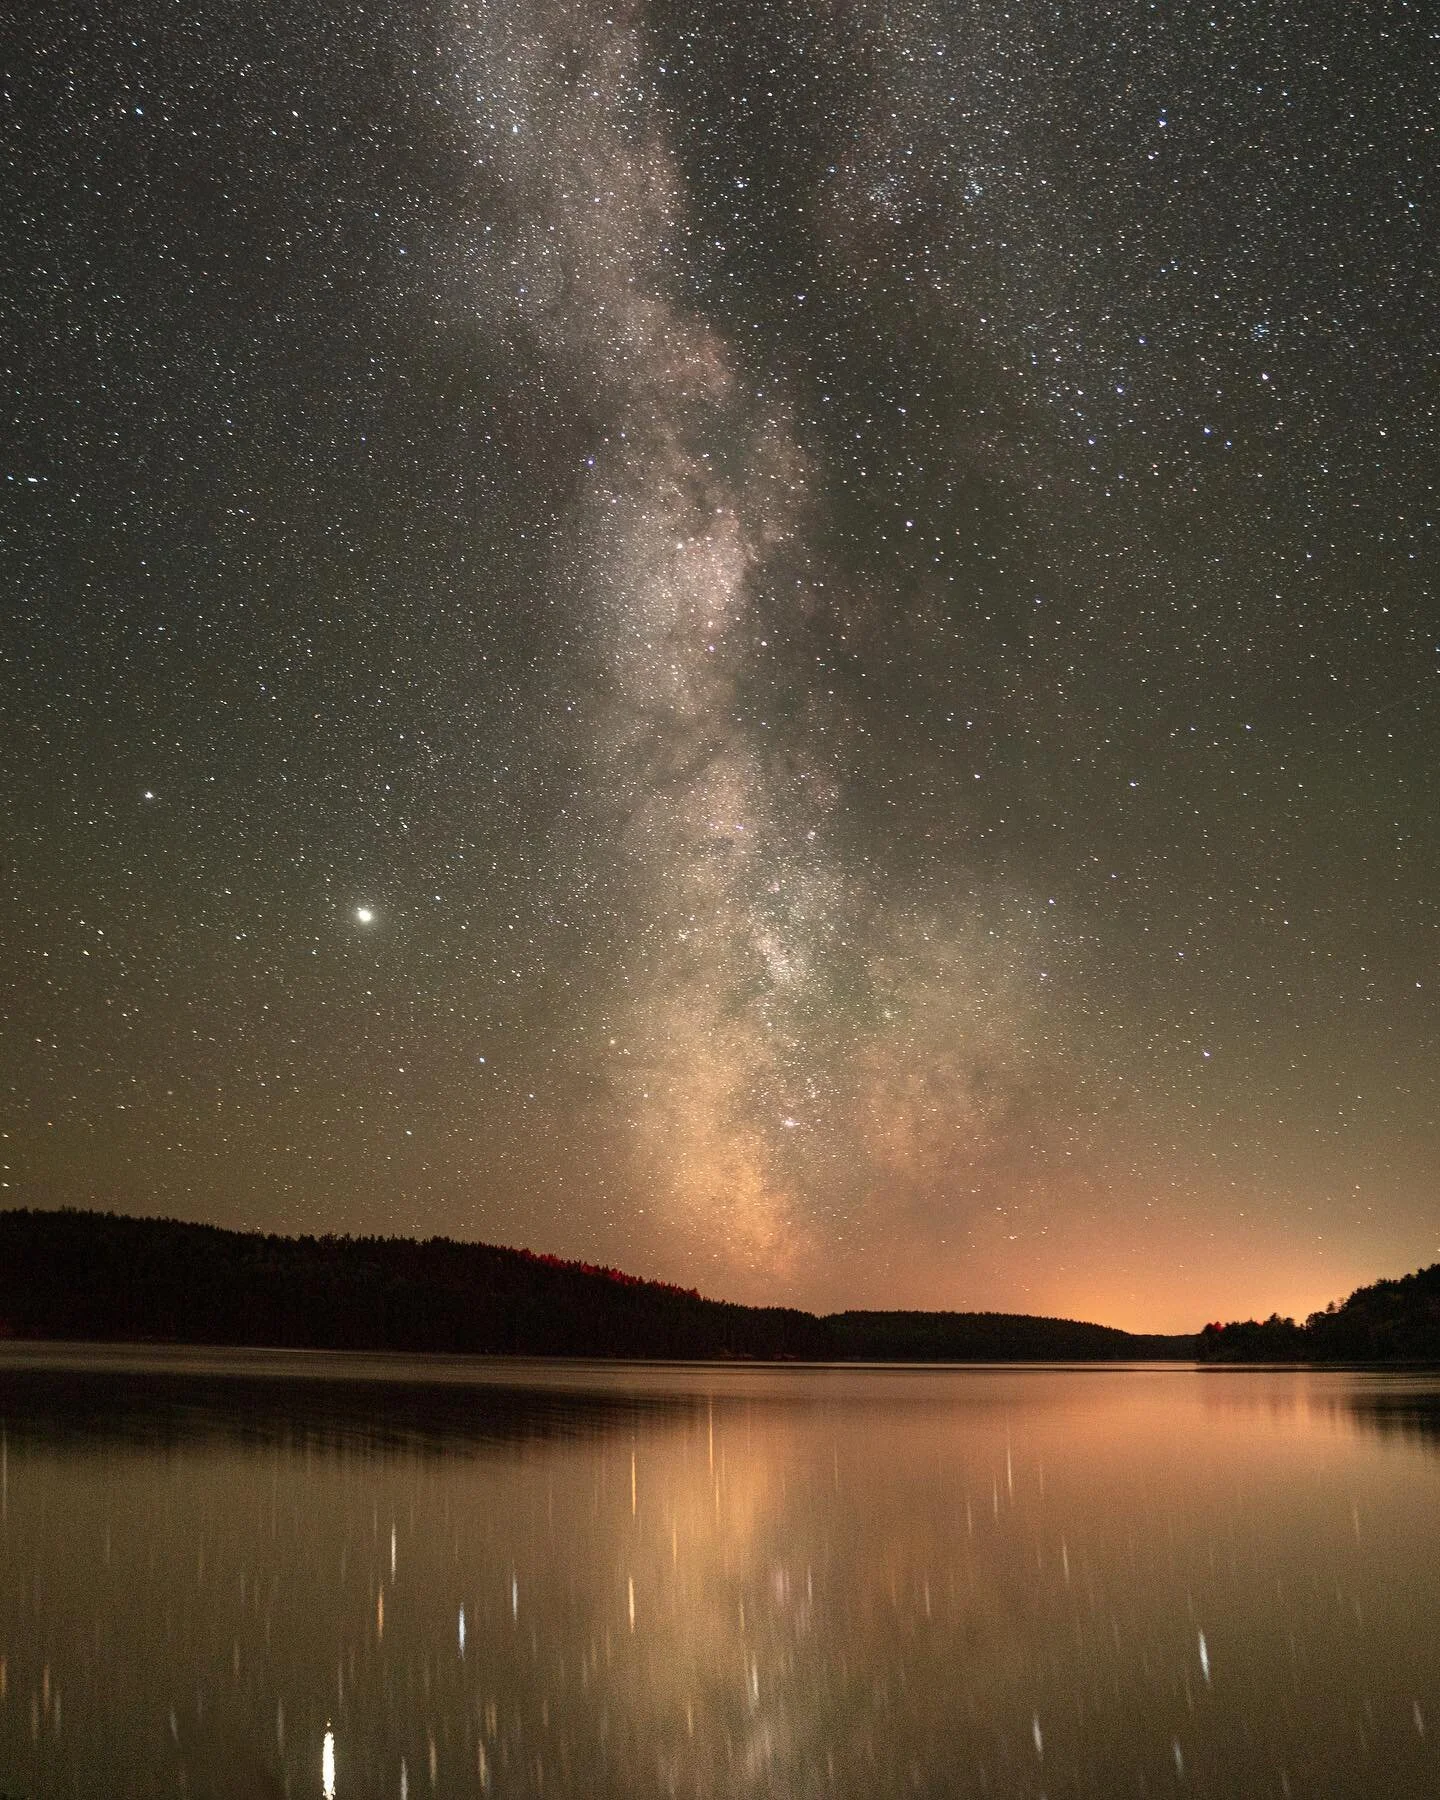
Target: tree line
[[1389, 1321], [103, 1277]]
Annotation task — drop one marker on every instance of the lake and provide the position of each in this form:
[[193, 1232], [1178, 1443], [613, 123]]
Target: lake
[[257, 1574]]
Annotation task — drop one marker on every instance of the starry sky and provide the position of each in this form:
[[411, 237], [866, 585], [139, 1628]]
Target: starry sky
[[790, 645]]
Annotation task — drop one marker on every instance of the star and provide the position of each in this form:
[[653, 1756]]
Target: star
[[761, 509]]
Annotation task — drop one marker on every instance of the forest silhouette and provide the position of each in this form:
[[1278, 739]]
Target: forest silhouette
[[107, 1278], [104, 1277]]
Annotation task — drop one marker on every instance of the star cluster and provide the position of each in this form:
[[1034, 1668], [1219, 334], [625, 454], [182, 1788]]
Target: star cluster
[[791, 647]]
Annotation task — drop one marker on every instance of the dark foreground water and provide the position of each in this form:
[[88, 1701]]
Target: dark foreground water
[[261, 1574]]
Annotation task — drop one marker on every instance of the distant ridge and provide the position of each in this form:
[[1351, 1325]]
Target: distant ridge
[[994, 1337], [104, 1277]]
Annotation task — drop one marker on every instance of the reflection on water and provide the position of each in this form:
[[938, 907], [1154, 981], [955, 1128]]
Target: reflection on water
[[366, 1404], [1409, 1407], [1397, 1402], [295, 1575]]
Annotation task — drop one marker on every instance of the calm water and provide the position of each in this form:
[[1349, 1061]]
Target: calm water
[[264, 1574]]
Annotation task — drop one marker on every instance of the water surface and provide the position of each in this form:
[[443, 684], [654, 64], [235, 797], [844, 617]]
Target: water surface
[[268, 1574]]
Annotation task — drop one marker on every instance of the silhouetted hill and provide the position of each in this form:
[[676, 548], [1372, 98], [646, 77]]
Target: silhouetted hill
[[103, 1277], [992, 1337], [1389, 1321]]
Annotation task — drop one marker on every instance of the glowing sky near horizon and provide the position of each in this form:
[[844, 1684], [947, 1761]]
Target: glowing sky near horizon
[[794, 648]]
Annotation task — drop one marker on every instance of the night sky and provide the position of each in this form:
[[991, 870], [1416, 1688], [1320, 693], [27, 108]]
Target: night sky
[[794, 646]]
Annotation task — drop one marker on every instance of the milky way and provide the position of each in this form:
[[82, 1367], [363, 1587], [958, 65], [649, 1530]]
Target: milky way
[[792, 648], [800, 1045]]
